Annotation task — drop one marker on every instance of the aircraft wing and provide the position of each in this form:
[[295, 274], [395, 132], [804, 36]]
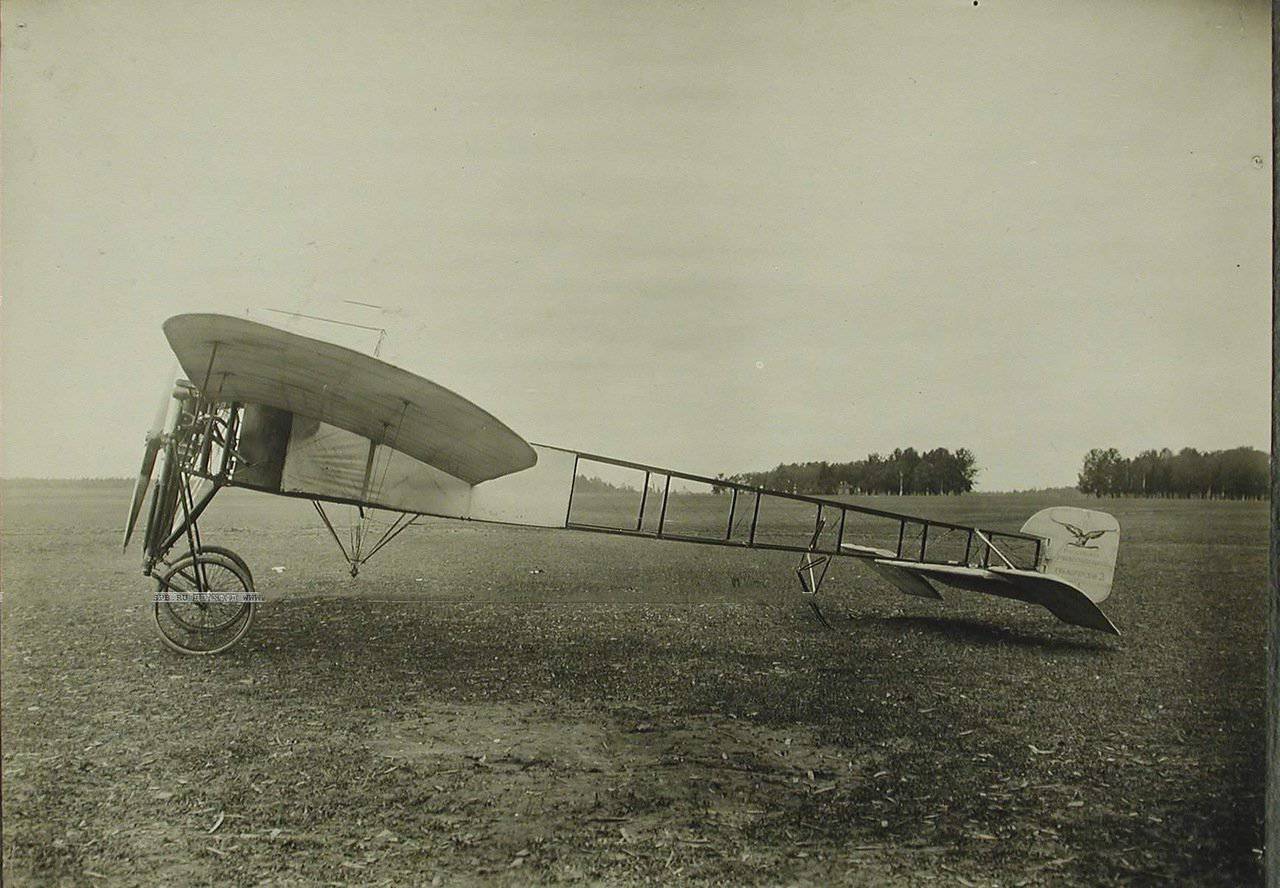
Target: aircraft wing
[[1059, 597], [236, 360]]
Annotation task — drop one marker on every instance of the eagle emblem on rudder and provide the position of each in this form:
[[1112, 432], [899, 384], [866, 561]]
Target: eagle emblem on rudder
[[1082, 537]]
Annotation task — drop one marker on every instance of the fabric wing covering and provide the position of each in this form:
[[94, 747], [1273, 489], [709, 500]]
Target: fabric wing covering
[[330, 463]]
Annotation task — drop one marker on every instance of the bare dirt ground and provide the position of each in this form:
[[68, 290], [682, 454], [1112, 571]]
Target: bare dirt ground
[[488, 705]]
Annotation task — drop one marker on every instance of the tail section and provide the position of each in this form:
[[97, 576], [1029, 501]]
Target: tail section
[[1077, 566], [1082, 547]]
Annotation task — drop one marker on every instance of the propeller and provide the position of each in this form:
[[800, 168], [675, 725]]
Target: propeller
[[154, 440]]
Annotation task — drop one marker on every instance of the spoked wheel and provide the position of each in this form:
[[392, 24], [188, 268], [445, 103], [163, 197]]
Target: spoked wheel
[[205, 604], [239, 562]]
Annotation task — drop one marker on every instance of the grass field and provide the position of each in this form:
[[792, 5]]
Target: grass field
[[490, 705]]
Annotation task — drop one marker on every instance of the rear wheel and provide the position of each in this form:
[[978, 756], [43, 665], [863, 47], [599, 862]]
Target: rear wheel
[[204, 604]]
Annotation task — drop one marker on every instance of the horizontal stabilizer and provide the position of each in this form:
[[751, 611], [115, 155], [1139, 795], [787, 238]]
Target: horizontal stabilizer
[[904, 580], [907, 581], [1064, 600]]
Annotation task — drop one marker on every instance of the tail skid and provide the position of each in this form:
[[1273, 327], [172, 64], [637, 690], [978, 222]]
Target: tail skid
[[812, 570]]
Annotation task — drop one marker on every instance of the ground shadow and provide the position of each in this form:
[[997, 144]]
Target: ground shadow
[[980, 633]]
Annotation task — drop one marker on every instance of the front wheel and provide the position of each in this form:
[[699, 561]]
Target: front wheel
[[222, 550], [204, 604]]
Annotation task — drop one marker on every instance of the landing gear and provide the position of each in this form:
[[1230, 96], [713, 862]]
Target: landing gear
[[205, 603], [204, 600]]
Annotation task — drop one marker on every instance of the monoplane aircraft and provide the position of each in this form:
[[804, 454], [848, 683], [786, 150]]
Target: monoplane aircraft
[[281, 413]]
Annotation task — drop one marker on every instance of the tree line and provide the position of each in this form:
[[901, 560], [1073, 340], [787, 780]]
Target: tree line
[[1239, 473], [937, 471]]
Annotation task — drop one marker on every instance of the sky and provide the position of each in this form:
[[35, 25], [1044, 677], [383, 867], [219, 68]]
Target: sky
[[709, 236]]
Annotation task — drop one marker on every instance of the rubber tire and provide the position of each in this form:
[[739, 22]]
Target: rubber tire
[[213, 557]]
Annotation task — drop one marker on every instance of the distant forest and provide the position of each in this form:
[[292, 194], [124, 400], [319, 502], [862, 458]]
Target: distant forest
[[1241, 473], [937, 471], [26, 481]]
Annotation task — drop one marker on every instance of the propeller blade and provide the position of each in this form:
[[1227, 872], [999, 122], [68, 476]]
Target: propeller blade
[[140, 486], [159, 425]]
